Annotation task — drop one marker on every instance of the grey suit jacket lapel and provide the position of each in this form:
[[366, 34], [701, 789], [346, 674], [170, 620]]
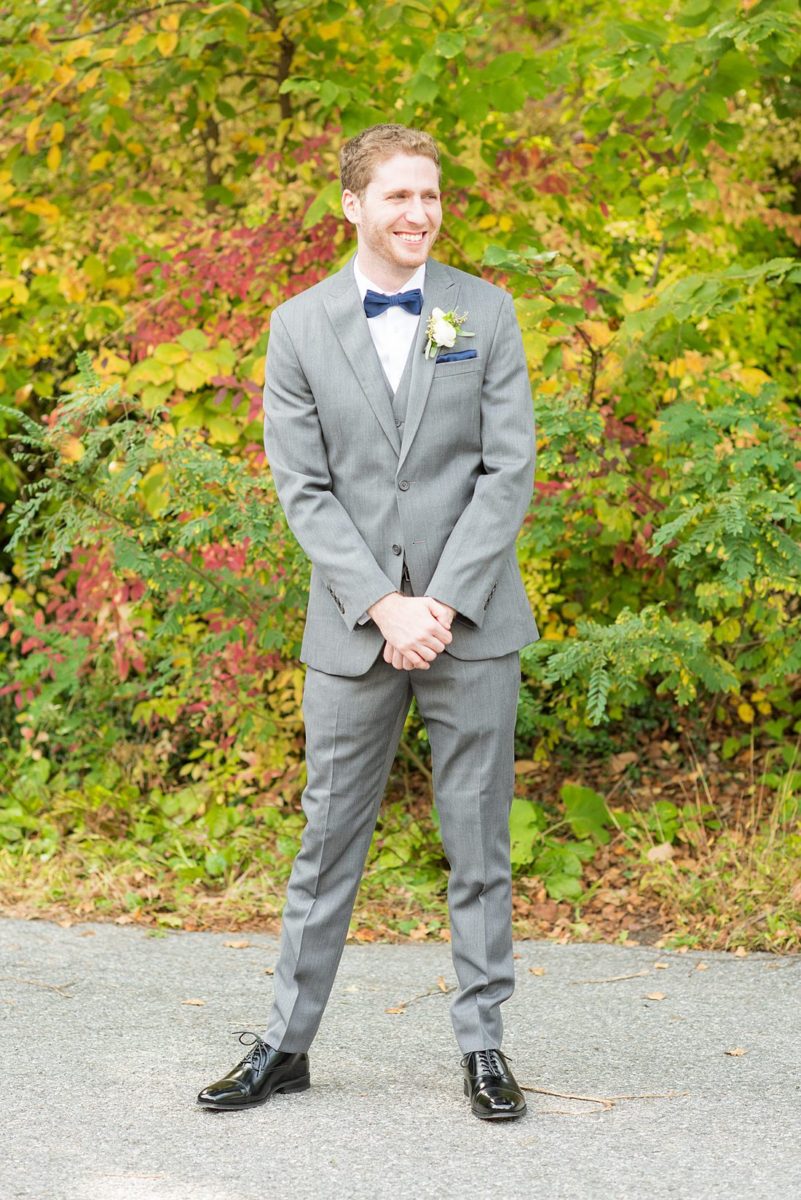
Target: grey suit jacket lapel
[[441, 291], [346, 313]]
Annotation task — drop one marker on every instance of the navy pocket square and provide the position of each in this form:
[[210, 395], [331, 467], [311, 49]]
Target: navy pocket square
[[456, 355]]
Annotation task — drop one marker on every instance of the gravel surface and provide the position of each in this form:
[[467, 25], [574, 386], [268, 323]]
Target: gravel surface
[[103, 1059]]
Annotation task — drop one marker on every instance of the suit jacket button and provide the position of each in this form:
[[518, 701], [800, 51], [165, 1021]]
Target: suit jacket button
[[404, 485], [396, 548]]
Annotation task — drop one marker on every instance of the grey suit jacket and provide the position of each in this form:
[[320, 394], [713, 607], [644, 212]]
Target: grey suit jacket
[[450, 495]]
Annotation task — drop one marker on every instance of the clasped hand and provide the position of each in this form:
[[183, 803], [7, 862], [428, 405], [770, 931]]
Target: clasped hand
[[416, 628]]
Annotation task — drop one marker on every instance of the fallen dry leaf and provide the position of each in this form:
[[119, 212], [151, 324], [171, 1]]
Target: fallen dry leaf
[[441, 984], [237, 945], [660, 853], [537, 970], [660, 966], [197, 1003], [655, 996], [418, 933], [87, 933], [702, 966], [269, 970], [398, 1009], [741, 952], [736, 1052]]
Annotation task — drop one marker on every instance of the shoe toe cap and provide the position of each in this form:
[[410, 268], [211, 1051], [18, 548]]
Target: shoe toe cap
[[499, 1100], [220, 1093]]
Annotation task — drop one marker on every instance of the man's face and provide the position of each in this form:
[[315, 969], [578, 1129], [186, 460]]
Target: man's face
[[399, 215]]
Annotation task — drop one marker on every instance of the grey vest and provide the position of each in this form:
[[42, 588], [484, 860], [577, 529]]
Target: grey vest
[[400, 401]]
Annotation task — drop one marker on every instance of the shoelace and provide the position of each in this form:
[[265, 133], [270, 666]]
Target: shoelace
[[257, 1054], [488, 1062]]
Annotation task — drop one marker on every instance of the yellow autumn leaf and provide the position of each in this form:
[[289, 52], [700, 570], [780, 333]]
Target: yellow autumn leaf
[[162, 435], [98, 161], [71, 449], [54, 158], [149, 370], [752, 379], [190, 376], [14, 290], [80, 49], [38, 36], [488, 221], [256, 373], [57, 132], [636, 301], [89, 80], [41, 207], [746, 713], [166, 43], [108, 363], [170, 353], [170, 21], [31, 134], [505, 223], [696, 363], [598, 332], [64, 74], [133, 35]]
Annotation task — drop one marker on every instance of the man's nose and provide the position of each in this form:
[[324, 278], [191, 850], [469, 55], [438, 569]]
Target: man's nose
[[416, 211]]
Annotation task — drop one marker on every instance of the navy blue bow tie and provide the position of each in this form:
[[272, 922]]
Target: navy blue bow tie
[[376, 302]]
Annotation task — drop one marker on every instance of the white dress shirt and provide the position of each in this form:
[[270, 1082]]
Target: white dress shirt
[[392, 332]]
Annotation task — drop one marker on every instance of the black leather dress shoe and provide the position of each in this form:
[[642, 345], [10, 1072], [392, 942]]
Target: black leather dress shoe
[[261, 1072], [491, 1086]]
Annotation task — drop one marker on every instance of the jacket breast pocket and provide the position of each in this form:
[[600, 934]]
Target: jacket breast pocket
[[457, 366]]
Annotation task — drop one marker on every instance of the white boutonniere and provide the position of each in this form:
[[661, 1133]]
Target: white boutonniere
[[443, 329]]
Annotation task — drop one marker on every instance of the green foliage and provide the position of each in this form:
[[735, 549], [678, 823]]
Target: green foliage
[[168, 175]]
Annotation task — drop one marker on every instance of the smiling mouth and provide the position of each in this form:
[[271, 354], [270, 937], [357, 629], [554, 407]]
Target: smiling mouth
[[411, 239]]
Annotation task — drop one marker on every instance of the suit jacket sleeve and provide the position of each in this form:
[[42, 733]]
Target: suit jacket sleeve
[[295, 448], [473, 556]]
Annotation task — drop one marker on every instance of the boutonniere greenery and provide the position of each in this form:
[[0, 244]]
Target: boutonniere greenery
[[443, 329]]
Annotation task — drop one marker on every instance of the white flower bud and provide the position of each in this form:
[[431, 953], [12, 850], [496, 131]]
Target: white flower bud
[[444, 332]]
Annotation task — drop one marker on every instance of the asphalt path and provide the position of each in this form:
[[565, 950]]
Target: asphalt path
[[646, 1081]]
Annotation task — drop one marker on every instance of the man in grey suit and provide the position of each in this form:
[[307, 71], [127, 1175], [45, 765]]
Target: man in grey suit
[[400, 435]]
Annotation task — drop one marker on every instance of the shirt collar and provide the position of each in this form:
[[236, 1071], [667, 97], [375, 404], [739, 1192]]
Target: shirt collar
[[363, 283]]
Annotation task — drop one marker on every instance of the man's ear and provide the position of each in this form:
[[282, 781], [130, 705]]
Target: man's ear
[[351, 206]]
